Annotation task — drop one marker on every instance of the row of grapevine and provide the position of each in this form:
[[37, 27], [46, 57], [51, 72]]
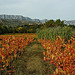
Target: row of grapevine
[[61, 54], [12, 47]]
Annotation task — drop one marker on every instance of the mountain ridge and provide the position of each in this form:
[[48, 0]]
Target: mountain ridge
[[19, 17], [70, 22]]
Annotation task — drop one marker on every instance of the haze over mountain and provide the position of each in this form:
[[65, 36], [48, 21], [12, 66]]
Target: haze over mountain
[[71, 22], [19, 17]]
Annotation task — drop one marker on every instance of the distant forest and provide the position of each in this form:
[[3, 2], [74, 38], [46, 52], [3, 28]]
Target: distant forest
[[24, 26], [18, 26]]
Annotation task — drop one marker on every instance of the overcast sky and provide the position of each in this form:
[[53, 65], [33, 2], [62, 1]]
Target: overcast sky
[[40, 9]]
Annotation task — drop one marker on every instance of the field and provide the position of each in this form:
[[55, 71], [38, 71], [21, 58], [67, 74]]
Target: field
[[25, 54]]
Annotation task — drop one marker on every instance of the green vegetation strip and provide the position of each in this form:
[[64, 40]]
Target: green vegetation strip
[[52, 33]]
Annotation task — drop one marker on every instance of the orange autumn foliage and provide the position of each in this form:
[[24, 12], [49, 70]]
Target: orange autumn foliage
[[61, 54], [11, 47]]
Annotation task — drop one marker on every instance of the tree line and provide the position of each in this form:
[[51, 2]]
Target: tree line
[[18, 29], [31, 28]]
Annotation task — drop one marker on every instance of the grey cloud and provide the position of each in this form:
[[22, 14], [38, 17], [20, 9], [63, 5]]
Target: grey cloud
[[51, 9]]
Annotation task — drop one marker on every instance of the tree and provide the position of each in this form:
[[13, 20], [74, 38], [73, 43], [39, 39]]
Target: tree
[[5, 29], [0, 29], [59, 22], [19, 29], [50, 23], [13, 29], [10, 29], [30, 30]]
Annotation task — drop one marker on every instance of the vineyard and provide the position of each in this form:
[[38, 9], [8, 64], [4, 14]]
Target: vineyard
[[59, 53], [11, 47], [37, 37]]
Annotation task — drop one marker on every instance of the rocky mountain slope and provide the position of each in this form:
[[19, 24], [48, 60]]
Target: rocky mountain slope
[[19, 17]]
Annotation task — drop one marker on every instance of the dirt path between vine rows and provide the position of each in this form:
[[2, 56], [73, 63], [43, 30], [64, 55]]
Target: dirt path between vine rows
[[31, 62]]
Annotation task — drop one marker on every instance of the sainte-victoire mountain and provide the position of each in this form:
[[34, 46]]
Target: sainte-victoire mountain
[[19, 17]]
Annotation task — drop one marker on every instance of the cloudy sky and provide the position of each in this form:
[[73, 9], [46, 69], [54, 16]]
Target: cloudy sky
[[41, 9]]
